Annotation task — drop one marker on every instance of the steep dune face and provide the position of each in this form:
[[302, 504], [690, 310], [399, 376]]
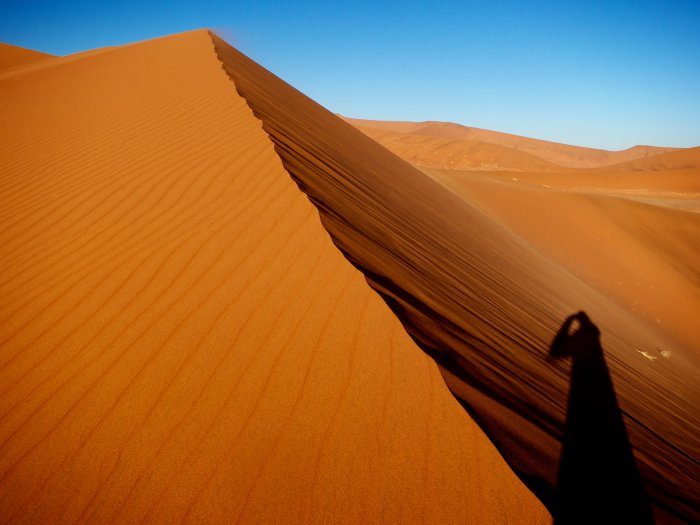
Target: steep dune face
[[13, 56], [180, 339], [562, 155], [483, 302]]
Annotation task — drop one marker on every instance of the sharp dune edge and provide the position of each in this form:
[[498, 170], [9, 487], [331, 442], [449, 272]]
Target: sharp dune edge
[[481, 301], [180, 338]]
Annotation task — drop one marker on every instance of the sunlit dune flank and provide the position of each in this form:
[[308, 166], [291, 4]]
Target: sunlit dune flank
[[180, 340]]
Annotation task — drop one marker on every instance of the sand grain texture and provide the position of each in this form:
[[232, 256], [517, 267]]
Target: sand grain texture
[[179, 338]]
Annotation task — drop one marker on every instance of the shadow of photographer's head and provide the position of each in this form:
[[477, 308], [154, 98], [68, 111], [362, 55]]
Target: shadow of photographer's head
[[577, 337]]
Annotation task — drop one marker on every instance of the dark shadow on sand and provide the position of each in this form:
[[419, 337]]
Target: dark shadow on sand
[[598, 480]]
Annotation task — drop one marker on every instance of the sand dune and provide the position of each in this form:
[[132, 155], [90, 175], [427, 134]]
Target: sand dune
[[562, 155], [685, 159], [456, 154], [481, 300], [180, 339]]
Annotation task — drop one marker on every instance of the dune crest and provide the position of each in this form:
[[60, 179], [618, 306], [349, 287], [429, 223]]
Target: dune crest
[[179, 338], [481, 300]]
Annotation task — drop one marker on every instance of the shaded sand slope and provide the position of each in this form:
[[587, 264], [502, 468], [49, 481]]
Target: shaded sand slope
[[479, 299], [13, 56], [560, 154], [180, 339]]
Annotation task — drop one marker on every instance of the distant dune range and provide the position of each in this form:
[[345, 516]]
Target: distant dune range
[[180, 339], [552, 152]]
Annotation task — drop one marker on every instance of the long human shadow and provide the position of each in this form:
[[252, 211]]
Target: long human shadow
[[598, 480]]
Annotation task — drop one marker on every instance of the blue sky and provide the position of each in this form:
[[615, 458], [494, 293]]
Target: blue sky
[[608, 74]]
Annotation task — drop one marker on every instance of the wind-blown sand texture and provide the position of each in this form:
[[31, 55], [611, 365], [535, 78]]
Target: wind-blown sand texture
[[180, 339]]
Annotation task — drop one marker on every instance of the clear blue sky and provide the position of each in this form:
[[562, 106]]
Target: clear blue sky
[[606, 74]]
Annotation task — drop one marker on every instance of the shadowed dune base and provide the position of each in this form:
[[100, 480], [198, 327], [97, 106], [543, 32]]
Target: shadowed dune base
[[179, 338], [482, 301]]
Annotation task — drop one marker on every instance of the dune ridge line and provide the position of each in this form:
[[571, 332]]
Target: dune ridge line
[[180, 341], [476, 298]]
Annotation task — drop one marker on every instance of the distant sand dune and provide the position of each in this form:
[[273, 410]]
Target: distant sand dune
[[180, 339], [685, 159], [456, 154], [560, 154]]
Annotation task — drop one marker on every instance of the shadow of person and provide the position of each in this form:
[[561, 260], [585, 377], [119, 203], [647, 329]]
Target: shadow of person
[[598, 481]]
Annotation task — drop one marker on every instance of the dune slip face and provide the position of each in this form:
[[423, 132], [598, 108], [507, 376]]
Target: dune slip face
[[482, 302], [180, 340]]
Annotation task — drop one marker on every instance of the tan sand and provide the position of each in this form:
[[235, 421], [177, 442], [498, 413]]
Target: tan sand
[[180, 339]]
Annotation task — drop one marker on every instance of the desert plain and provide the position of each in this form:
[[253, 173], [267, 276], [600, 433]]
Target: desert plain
[[221, 302]]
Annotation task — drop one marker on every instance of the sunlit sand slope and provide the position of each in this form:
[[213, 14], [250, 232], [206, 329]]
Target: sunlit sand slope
[[561, 154], [480, 299], [180, 339]]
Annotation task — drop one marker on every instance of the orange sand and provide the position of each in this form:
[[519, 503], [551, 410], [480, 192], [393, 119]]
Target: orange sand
[[180, 339]]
